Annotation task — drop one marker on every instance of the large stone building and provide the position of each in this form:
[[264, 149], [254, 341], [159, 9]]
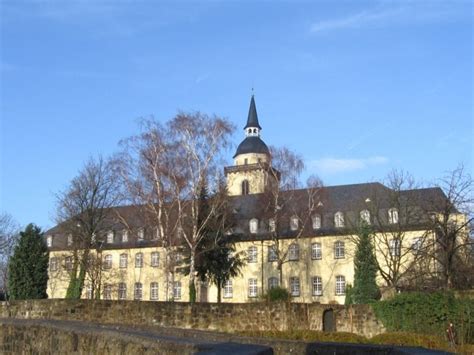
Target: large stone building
[[317, 252]]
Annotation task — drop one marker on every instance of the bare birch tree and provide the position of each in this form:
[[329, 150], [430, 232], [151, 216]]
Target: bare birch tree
[[9, 231]]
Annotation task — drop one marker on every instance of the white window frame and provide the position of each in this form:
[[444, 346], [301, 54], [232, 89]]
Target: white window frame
[[340, 285], [273, 282], [68, 263], [228, 289], [294, 252], [141, 234], [108, 261], [295, 287], [339, 219], [138, 260], [416, 244], [53, 264], [177, 290], [317, 285], [272, 254], [395, 246], [294, 223], [122, 291], [339, 250], [107, 292], [316, 221], [154, 291], [365, 216], [253, 226], [155, 259], [271, 225], [110, 237], [252, 254], [316, 251], [393, 216], [125, 236], [49, 241], [123, 261], [69, 240], [138, 291], [252, 288]]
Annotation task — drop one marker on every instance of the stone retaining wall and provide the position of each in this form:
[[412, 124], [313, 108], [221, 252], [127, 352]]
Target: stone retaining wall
[[227, 317]]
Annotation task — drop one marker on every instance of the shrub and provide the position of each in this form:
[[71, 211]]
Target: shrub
[[410, 339], [308, 335], [277, 294]]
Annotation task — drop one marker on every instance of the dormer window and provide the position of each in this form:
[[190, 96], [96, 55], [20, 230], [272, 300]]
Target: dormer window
[[69, 240], [110, 237], [271, 225], [316, 221], [294, 223], [245, 187], [365, 216], [141, 234], [49, 241], [393, 216], [253, 225], [124, 236], [339, 220]]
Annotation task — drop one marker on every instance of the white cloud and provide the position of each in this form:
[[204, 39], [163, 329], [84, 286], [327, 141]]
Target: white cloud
[[335, 166]]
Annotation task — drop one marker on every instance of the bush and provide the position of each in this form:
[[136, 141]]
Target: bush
[[308, 335], [428, 314], [277, 294], [410, 339]]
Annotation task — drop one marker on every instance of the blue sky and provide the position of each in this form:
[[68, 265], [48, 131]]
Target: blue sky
[[357, 88]]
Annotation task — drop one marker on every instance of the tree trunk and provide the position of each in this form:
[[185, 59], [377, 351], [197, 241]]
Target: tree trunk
[[192, 286], [219, 289]]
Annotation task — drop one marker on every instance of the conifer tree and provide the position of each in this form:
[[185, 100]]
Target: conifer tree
[[365, 288], [28, 268]]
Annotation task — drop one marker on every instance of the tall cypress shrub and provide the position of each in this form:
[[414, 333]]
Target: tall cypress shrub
[[365, 288], [28, 267]]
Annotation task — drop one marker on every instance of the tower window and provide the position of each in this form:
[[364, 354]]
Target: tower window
[[254, 130], [245, 187]]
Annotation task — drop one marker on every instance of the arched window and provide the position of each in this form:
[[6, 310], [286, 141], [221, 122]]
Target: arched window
[[245, 187], [393, 216], [154, 291], [339, 252], [138, 291], [339, 220], [123, 261], [272, 282], [316, 221], [365, 216], [139, 260], [294, 223], [252, 254], [108, 261], [340, 285], [253, 225], [122, 291], [294, 252]]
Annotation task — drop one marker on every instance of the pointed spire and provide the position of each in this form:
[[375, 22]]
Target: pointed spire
[[252, 120]]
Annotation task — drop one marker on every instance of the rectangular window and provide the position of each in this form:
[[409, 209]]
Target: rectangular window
[[317, 284], [49, 241], [141, 234], [316, 252], [107, 292], [177, 290], [138, 291], [252, 254], [139, 260], [272, 282], [155, 259], [395, 247], [272, 253], [108, 261], [68, 263], [253, 288], [228, 289], [53, 264], [294, 223], [294, 286], [123, 261], [122, 291], [294, 252], [271, 225], [340, 285], [124, 236], [154, 291], [339, 252], [110, 237], [316, 222], [88, 292], [69, 240]]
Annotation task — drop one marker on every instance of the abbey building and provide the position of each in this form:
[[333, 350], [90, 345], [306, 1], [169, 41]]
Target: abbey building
[[303, 240]]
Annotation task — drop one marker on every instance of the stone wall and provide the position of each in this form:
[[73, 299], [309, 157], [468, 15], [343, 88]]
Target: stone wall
[[358, 319]]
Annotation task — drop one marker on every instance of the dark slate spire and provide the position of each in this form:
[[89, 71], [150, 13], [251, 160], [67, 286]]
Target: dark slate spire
[[252, 120]]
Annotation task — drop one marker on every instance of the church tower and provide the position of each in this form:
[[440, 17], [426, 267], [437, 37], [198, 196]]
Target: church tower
[[252, 171]]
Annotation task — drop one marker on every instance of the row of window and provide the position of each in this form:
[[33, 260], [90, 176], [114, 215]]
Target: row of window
[[121, 290], [316, 221], [294, 252]]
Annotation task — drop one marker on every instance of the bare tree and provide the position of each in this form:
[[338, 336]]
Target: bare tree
[[84, 212], [287, 209], [9, 231]]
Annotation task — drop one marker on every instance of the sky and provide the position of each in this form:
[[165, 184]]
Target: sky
[[358, 88]]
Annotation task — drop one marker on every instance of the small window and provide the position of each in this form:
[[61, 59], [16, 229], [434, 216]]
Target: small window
[[317, 284], [107, 292], [124, 236], [110, 237], [417, 244], [294, 223], [138, 291], [177, 290], [295, 286], [253, 225], [365, 216], [316, 221], [141, 234], [252, 254], [272, 282], [108, 261], [339, 252], [271, 225], [340, 285], [157, 233], [154, 291], [272, 253], [123, 262], [139, 260], [316, 252], [228, 289], [245, 187], [253, 288], [339, 220], [294, 252], [155, 259], [395, 247], [53, 264], [393, 216], [122, 291], [69, 240], [49, 241], [68, 263]]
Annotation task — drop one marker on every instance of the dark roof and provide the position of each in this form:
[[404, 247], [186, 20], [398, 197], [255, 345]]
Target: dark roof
[[252, 120], [252, 145]]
